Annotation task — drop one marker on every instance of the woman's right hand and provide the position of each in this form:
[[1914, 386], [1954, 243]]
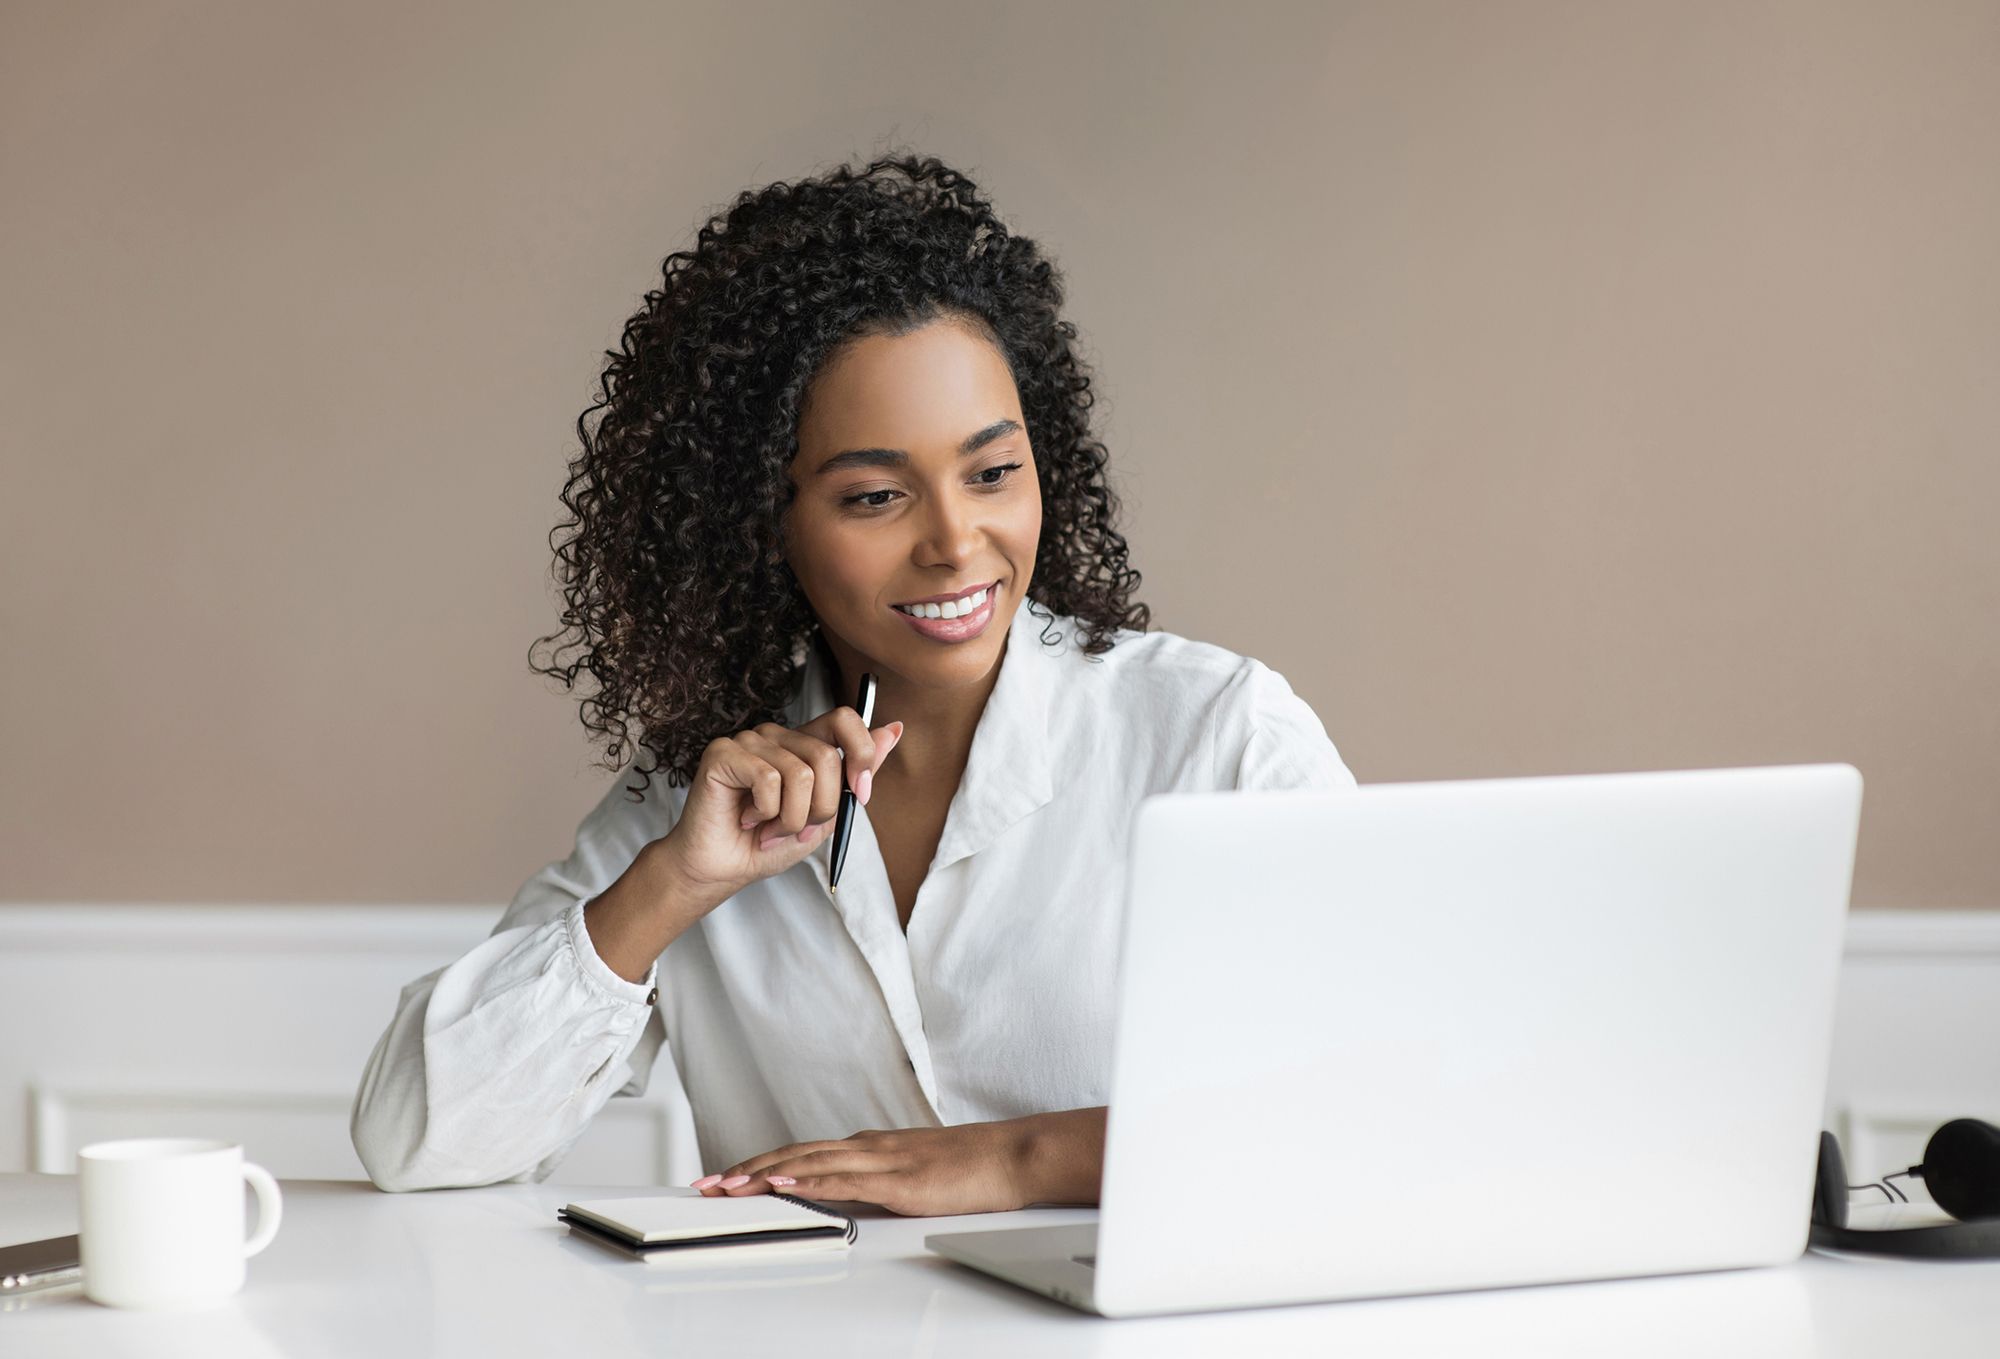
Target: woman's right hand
[[763, 799]]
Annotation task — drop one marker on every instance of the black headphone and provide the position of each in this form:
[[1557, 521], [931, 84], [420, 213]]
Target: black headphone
[[1961, 1168]]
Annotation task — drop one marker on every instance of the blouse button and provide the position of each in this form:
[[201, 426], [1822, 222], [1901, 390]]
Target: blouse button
[[653, 995]]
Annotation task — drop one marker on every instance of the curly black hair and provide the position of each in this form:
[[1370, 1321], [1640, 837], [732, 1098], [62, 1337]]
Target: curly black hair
[[676, 581]]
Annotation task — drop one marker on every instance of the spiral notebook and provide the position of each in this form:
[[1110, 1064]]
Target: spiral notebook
[[689, 1226]]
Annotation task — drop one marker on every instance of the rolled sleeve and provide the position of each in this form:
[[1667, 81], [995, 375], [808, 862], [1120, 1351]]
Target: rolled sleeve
[[493, 1066], [598, 972]]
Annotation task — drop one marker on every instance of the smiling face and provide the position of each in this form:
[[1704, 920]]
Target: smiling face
[[914, 479]]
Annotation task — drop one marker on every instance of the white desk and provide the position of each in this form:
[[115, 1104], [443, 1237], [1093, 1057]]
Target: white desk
[[490, 1273]]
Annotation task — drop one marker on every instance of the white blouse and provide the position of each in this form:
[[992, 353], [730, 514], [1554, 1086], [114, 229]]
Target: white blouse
[[792, 1014]]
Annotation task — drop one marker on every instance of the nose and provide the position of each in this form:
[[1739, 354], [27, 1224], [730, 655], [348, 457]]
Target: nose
[[952, 535]]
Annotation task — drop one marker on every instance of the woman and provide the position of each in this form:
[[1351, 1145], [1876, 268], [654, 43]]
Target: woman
[[855, 395]]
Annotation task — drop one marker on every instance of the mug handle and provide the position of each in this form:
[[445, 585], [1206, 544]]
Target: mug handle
[[270, 1207]]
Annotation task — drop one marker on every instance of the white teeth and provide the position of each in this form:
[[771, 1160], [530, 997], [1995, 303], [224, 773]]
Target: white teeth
[[957, 609]]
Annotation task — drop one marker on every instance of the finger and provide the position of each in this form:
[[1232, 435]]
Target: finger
[[824, 761], [885, 1187], [757, 1164], [732, 765], [864, 782], [891, 734], [814, 1164], [786, 1153], [795, 801], [842, 727]]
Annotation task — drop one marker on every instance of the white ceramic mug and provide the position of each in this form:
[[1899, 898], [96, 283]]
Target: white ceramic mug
[[162, 1220]]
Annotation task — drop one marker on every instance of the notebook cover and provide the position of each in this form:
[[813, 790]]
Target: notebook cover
[[670, 1219], [757, 1248]]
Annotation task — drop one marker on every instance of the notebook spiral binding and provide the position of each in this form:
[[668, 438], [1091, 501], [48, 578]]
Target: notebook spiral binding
[[853, 1227]]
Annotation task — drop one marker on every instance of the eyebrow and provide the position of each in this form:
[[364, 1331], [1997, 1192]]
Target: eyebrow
[[896, 457]]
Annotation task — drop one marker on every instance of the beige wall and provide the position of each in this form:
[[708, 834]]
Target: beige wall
[[1541, 387]]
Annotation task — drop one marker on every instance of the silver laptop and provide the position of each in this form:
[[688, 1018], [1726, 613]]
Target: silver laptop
[[1425, 1037]]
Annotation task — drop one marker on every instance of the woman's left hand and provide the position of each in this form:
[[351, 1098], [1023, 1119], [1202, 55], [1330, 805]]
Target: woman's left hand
[[919, 1172]]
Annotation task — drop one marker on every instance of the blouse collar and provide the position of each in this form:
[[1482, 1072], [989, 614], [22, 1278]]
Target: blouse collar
[[1008, 771]]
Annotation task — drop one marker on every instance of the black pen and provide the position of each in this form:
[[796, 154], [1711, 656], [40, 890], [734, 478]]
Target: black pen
[[843, 821]]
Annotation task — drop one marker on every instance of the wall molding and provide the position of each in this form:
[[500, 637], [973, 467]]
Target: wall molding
[[1942, 936], [392, 928], [139, 1012], [55, 1107], [1878, 1132], [248, 1022], [127, 927]]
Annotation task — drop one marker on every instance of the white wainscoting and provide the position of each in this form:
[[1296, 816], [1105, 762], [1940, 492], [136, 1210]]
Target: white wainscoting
[[251, 1023], [254, 1023], [1917, 1036]]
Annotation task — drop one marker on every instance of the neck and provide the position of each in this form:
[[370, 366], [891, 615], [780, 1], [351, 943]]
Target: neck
[[938, 723]]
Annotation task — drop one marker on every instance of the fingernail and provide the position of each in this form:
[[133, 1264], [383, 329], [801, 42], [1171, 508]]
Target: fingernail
[[705, 1181], [783, 1179], [864, 784], [734, 1181]]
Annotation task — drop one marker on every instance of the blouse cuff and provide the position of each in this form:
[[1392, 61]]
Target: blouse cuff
[[598, 972]]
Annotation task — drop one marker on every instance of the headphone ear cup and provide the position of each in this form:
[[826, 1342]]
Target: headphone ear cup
[[1830, 1189], [1962, 1169]]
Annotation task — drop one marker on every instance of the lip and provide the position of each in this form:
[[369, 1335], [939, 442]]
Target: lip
[[939, 599], [955, 629]]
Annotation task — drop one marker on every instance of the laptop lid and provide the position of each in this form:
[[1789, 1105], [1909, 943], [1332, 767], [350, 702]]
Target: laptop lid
[[1431, 1036]]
